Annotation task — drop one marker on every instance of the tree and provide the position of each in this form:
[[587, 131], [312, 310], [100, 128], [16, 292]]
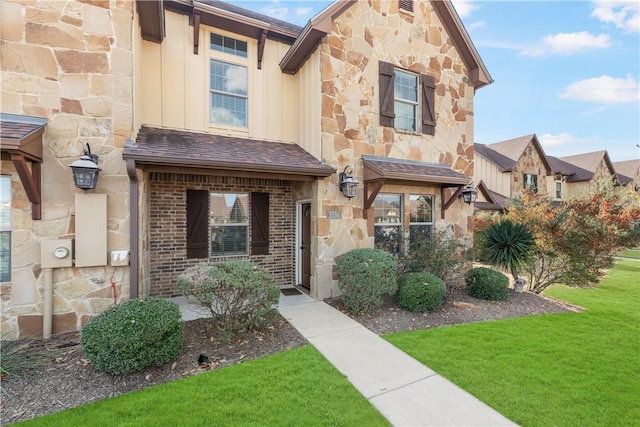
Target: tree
[[575, 241]]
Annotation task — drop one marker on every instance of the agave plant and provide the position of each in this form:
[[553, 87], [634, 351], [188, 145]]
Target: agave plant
[[508, 244]]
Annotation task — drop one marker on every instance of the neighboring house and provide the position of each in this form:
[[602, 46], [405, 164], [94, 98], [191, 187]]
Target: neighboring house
[[244, 126], [582, 173], [628, 173], [506, 168]]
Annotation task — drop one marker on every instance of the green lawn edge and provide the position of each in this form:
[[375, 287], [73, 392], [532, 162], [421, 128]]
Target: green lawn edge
[[561, 369], [294, 388]]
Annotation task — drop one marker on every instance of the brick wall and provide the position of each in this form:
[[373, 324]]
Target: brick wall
[[167, 231]]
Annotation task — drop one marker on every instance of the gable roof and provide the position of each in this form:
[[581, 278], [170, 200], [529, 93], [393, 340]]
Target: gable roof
[[495, 201], [505, 154], [584, 165], [184, 149], [504, 163], [627, 170]]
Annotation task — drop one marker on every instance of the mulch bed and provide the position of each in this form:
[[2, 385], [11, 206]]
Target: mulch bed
[[59, 377]]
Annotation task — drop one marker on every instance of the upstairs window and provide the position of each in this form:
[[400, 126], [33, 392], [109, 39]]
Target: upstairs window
[[229, 84], [530, 181], [407, 100], [5, 228], [558, 189], [228, 45]]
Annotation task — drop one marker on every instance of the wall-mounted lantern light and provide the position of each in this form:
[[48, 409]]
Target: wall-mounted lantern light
[[85, 170], [469, 194], [348, 184]]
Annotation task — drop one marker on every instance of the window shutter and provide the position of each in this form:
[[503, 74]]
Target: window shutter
[[259, 223], [406, 5], [197, 224], [428, 104], [387, 77]]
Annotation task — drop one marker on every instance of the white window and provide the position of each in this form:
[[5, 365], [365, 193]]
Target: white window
[[229, 84], [420, 218], [228, 45], [229, 224], [558, 189], [530, 181], [406, 103], [387, 210], [5, 228]]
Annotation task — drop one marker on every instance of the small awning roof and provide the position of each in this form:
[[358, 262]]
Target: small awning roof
[[388, 169], [21, 142], [224, 154]]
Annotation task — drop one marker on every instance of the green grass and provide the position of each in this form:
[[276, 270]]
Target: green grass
[[293, 388], [551, 370], [630, 253]]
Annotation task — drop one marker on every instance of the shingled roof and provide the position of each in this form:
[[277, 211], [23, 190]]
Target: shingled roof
[[582, 167], [171, 147], [411, 171], [505, 154], [627, 170]]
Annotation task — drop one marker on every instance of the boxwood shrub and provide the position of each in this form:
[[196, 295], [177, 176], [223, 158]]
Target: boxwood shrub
[[420, 292], [486, 283], [133, 335], [364, 277]]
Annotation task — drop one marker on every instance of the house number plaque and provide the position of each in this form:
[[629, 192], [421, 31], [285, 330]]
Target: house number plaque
[[334, 214]]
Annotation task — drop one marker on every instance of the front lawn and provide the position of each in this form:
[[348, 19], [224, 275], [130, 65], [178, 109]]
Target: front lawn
[[294, 388], [562, 369], [630, 253]]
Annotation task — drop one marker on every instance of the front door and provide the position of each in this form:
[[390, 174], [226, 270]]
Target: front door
[[305, 245]]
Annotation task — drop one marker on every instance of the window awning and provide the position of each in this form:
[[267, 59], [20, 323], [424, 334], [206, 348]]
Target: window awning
[[381, 170], [204, 153], [21, 142]]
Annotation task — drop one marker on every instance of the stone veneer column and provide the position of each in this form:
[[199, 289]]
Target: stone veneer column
[[72, 63]]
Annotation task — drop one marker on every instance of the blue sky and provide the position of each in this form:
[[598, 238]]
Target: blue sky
[[567, 71]]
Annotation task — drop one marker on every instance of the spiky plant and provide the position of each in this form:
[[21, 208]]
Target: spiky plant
[[508, 245]]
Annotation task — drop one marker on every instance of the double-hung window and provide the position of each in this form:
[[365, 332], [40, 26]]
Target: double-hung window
[[5, 228], [530, 181], [387, 209], [420, 218], [558, 189], [407, 100], [229, 224], [229, 82]]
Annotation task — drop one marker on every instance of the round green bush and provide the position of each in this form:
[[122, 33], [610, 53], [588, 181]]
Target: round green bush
[[364, 277], [133, 335], [420, 292], [485, 283]]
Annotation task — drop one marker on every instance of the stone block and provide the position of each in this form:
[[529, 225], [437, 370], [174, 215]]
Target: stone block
[[23, 284], [82, 62], [97, 106], [65, 36], [96, 19], [11, 21], [34, 60], [74, 86]]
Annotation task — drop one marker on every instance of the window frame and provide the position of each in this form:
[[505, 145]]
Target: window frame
[[225, 94], [430, 224], [223, 224], [402, 101], [534, 181], [395, 221], [558, 189], [230, 51], [6, 225]]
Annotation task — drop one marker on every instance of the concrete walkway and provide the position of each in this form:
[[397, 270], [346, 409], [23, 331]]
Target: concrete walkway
[[405, 391]]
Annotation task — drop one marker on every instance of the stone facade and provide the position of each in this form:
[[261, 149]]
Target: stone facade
[[366, 33], [71, 63], [529, 163], [167, 227]]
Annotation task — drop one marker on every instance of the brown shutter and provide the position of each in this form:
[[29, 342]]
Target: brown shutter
[[259, 223], [197, 224], [406, 5], [387, 77], [428, 104]]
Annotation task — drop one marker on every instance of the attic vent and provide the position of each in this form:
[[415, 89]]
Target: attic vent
[[406, 5]]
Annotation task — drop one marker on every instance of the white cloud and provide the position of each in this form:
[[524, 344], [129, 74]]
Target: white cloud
[[548, 140], [464, 7], [477, 24], [624, 14], [568, 44], [604, 90], [276, 12], [303, 11]]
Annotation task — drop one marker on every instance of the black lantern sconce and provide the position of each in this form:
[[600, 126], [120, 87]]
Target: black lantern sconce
[[469, 194], [348, 184], [85, 170]]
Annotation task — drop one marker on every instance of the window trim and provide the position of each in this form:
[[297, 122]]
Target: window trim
[[415, 104], [399, 225], [534, 180], [222, 47], [213, 92], [246, 224]]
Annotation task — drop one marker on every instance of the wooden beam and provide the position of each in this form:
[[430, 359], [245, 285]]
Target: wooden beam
[[30, 181], [261, 42], [196, 31], [448, 203], [368, 199]]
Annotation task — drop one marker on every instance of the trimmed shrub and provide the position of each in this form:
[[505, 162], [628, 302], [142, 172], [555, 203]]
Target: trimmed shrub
[[485, 283], [420, 292], [364, 276], [133, 335], [239, 294]]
